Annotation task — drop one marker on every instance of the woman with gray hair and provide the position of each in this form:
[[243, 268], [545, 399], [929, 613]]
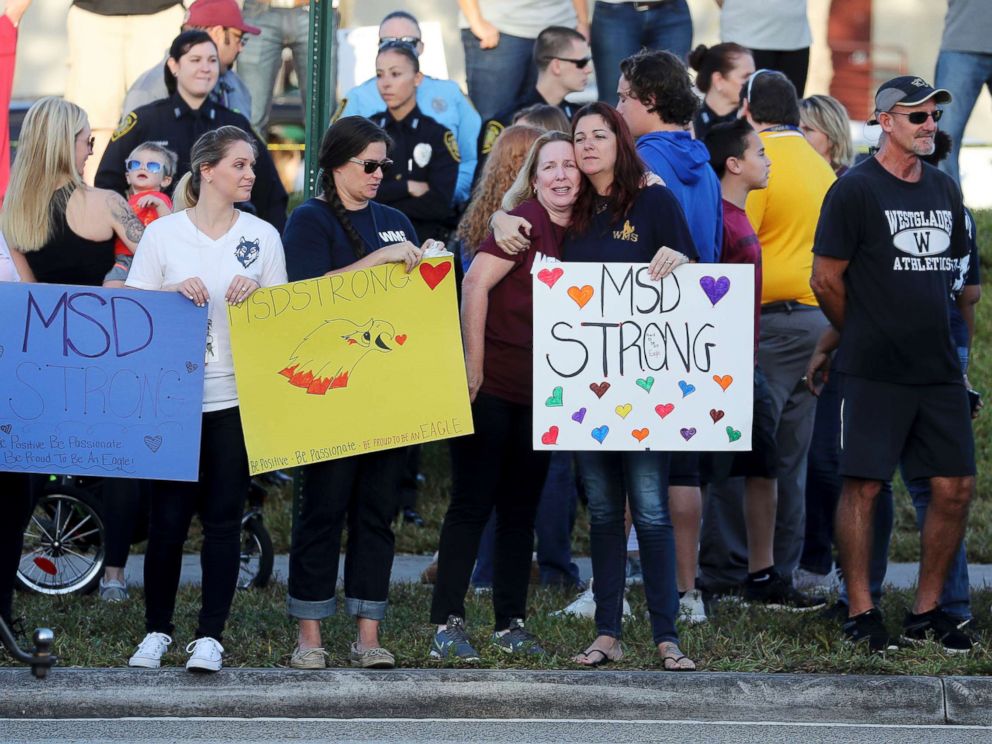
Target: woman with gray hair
[[214, 255], [826, 126]]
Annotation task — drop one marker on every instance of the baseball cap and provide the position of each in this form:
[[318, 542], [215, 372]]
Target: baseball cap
[[226, 13], [906, 90]]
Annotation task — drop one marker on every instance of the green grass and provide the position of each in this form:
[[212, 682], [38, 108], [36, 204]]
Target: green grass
[[90, 633]]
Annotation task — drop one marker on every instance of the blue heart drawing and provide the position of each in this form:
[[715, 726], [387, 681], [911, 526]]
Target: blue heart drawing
[[600, 432], [687, 388]]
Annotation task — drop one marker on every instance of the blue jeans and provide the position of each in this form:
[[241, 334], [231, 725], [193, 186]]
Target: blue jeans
[[956, 598], [260, 60], [823, 482], [963, 74], [610, 479], [619, 30], [555, 519], [500, 76]]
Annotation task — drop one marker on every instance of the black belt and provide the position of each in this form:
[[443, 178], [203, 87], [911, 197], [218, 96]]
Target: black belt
[[786, 306], [651, 5]]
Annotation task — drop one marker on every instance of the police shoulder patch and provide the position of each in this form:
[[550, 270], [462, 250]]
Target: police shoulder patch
[[493, 130], [452, 145], [125, 126]]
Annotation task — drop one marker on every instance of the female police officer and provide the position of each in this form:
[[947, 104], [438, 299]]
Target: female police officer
[[178, 121], [421, 184]]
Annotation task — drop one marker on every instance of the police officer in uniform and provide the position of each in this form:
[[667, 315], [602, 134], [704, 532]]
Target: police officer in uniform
[[178, 121], [421, 181], [563, 66]]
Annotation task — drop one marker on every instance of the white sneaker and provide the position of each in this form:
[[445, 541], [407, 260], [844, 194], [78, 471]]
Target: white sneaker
[[149, 653], [691, 608], [206, 655], [585, 605]]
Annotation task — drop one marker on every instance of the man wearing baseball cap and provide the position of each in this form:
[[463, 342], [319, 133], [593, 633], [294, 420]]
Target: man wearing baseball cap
[[891, 233], [222, 19]]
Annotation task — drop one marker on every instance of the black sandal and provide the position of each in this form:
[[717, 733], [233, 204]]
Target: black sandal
[[603, 659]]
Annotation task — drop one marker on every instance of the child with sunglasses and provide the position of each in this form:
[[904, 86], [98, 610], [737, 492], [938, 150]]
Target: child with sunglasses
[[148, 169]]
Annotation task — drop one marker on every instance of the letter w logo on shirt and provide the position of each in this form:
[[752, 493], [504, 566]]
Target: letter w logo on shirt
[[922, 238], [392, 236]]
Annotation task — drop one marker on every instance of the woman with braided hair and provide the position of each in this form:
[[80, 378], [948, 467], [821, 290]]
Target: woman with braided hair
[[343, 229]]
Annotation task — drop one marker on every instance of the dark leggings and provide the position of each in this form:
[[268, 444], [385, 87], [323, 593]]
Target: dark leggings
[[16, 497], [219, 499], [125, 517]]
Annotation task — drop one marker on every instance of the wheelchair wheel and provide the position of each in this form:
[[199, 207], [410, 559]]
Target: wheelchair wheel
[[257, 555], [63, 549]]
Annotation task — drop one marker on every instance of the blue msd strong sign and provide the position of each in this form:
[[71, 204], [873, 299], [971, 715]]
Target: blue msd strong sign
[[100, 382]]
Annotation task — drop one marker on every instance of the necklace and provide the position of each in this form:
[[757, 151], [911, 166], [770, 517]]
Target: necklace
[[195, 219]]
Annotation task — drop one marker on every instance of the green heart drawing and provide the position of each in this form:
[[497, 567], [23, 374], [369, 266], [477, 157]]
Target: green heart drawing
[[733, 434], [555, 399], [647, 383]]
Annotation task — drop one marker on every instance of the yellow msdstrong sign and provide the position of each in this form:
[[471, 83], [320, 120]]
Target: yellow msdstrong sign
[[351, 363]]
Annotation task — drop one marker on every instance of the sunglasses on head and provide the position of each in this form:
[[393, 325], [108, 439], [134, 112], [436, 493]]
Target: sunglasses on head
[[919, 117], [411, 40], [371, 166], [750, 82], [580, 63], [151, 166]]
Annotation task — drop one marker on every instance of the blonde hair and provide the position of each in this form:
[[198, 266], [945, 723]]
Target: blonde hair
[[523, 188], [169, 159], [44, 175], [826, 114], [209, 150], [179, 202], [500, 169]]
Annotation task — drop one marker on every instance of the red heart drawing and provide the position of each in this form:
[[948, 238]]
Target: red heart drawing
[[715, 415], [550, 276], [550, 436], [663, 409], [401, 339], [433, 274], [599, 388]]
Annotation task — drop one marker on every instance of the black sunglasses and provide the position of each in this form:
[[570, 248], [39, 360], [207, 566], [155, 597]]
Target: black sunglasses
[[580, 63], [920, 117], [411, 40], [371, 166]]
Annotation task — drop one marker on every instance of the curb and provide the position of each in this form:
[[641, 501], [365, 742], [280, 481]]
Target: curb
[[446, 693]]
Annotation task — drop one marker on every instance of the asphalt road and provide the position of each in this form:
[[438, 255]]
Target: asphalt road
[[170, 730]]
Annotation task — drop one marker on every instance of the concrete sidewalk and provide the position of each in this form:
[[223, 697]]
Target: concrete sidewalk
[[407, 569], [450, 693]]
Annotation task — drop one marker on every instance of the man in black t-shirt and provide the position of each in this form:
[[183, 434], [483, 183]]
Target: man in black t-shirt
[[890, 235]]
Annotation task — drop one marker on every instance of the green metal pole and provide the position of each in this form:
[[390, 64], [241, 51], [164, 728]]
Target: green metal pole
[[320, 105], [323, 84]]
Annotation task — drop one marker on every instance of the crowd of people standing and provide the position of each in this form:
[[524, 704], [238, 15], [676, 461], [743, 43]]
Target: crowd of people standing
[[733, 166]]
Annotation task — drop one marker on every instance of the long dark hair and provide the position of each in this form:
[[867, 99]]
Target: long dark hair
[[180, 46], [345, 139], [627, 171], [721, 58]]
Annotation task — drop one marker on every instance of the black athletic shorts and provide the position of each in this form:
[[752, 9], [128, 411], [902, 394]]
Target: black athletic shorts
[[925, 427], [684, 469], [762, 460]]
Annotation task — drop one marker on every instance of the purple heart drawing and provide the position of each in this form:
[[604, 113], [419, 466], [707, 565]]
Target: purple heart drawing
[[579, 415], [715, 289], [688, 434]]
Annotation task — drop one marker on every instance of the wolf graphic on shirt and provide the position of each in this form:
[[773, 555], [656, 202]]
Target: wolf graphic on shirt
[[247, 252], [328, 355]]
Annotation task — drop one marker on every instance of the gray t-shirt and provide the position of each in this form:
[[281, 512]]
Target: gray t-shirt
[[525, 18], [779, 25], [968, 27]]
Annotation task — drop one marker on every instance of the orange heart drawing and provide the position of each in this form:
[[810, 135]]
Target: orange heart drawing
[[640, 434], [550, 436], [724, 381], [581, 295], [433, 274], [401, 339]]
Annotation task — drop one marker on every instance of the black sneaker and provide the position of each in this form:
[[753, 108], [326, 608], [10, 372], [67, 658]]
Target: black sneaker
[[453, 642], [776, 593], [869, 628], [835, 613], [518, 640], [939, 627], [412, 516]]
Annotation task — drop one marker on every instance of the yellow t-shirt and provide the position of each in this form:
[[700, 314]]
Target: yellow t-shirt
[[785, 215]]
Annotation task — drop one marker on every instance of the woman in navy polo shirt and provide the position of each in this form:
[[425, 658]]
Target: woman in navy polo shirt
[[343, 229]]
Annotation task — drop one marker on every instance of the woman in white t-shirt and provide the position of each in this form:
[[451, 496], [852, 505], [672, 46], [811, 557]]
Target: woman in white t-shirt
[[213, 255]]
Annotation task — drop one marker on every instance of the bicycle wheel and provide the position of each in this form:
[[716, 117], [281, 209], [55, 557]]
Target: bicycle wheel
[[256, 554], [63, 549]]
